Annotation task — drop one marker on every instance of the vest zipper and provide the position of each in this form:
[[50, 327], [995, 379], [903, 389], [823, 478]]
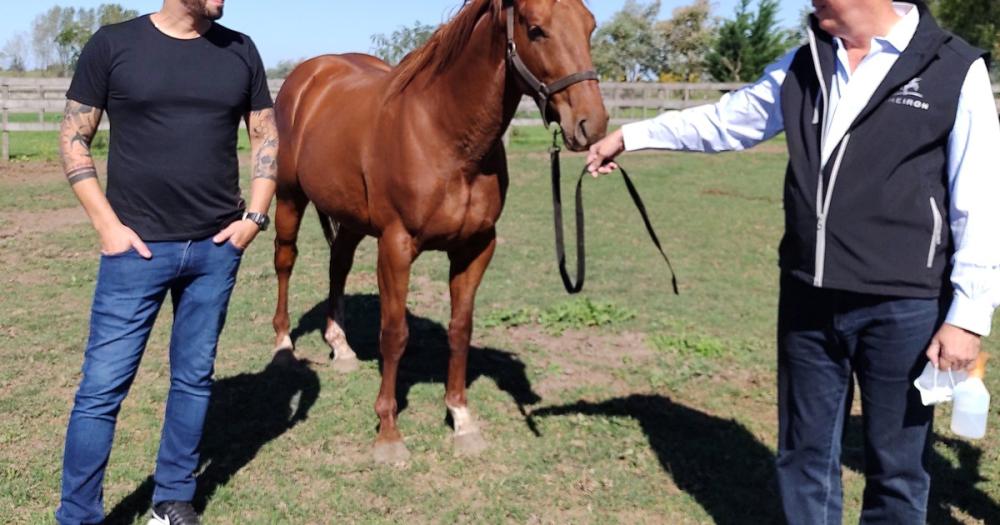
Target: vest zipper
[[821, 209], [936, 234]]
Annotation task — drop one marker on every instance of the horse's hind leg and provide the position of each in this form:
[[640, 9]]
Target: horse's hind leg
[[395, 256], [288, 217], [343, 243], [468, 264]]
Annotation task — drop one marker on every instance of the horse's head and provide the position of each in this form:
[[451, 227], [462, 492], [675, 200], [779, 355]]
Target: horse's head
[[551, 40]]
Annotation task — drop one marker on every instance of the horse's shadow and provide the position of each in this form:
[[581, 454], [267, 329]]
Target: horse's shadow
[[717, 461], [951, 485], [246, 412], [426, 356], [731, 474]]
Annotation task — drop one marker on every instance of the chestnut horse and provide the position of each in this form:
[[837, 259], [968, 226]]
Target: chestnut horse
[[414, 157]]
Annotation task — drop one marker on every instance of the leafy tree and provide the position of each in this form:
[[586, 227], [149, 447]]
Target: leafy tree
[[69, 43], [59, 34], [746, 44], [626, 47], [15, 53], [686, 38], [44, 31], [394, 47], [108, 14], [977, 21]]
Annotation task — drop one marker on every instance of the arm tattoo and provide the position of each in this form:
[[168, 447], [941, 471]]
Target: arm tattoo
[[81, 174], [79, 125], [264, 144]]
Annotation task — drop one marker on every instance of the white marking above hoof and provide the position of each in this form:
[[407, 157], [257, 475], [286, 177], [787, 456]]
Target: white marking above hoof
[[285, 344], [337, 340], [463, 420], [390, 453]]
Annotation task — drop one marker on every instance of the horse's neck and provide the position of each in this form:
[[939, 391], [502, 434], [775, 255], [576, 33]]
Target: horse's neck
[[478, 101]]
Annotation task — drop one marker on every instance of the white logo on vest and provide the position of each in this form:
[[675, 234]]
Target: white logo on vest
[[909, 95]]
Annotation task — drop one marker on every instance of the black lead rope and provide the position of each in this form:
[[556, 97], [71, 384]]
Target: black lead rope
[[568, 283]]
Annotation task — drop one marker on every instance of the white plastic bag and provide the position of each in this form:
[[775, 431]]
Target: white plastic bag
[[938, 386]]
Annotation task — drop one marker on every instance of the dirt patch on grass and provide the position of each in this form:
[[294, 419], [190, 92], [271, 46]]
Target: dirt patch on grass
[[580, 358], [23, 223], [34, 172], [17, 223]]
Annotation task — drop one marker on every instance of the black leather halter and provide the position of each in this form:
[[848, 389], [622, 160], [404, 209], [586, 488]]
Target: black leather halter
[[538, 90]]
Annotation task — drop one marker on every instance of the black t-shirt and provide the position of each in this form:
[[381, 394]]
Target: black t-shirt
[[175, 108]]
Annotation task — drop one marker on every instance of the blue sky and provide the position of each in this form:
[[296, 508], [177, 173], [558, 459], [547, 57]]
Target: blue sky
[[302, 28]]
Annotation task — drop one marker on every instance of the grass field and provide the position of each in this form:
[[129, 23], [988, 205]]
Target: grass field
[[628, 405]]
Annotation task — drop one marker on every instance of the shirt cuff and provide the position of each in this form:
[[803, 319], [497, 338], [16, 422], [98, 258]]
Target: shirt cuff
[[976, 317]]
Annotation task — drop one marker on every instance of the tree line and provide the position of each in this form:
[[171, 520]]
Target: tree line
[[694, 44], [636, 44], [57, 36]]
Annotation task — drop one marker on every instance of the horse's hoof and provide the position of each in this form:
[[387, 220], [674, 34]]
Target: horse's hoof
[[470, 444], [391, 453], [284, 358], [346, 365]]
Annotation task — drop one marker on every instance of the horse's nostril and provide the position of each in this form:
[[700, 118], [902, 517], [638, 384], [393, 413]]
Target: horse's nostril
[[582, 129]]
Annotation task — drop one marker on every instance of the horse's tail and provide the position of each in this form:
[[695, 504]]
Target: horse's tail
[[330, 227]]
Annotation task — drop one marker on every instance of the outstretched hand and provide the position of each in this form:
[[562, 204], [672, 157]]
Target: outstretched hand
[[600, 160]]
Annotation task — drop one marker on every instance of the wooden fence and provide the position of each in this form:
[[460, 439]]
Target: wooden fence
[[626, 102]]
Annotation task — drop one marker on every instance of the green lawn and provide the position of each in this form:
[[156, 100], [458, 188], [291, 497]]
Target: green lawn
[[628, 405]]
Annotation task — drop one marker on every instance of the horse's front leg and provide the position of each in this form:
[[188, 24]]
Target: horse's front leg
[[395, 255], [468, 264]]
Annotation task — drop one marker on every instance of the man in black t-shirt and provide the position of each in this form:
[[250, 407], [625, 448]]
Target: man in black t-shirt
[[175, 85]]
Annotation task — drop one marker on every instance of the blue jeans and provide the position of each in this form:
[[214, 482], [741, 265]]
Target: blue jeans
[[827, 338], [199, 275]]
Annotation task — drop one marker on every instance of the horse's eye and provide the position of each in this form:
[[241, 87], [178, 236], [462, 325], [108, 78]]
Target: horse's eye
[[535, 32]]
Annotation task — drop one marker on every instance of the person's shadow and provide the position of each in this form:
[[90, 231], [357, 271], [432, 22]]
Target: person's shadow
[[426, 356], [717, 461], [731, 474], [245, 413], [951, 485]]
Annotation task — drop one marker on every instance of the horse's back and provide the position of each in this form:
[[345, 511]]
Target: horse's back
[[324, 77]]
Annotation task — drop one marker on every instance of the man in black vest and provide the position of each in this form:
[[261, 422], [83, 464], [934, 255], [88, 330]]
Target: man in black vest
[[889, 256], [176, 86]]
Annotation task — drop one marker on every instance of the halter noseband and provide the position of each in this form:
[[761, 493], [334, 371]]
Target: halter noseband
[[540, 91]]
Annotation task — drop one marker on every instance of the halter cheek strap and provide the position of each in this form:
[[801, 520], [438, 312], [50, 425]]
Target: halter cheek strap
[[540, 91]]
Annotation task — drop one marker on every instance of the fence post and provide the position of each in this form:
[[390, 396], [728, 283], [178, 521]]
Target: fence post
[[5, 139], [41, 96]]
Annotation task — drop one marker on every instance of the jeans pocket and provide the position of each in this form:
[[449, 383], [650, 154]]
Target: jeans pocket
[[129, 251], [233, 247]]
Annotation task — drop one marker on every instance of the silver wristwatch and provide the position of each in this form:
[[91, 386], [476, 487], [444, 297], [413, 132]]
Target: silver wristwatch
[[260, 219]]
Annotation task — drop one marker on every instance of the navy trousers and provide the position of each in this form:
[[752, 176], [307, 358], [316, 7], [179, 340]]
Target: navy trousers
[[827, 339]]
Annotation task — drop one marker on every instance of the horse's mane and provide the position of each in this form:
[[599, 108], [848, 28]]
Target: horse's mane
[[445, 44]]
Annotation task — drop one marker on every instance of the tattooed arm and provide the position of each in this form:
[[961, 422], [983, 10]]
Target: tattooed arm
[[79, 126], [263, 132]]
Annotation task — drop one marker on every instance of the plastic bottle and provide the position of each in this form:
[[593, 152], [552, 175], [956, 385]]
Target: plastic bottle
[[971, 403]]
